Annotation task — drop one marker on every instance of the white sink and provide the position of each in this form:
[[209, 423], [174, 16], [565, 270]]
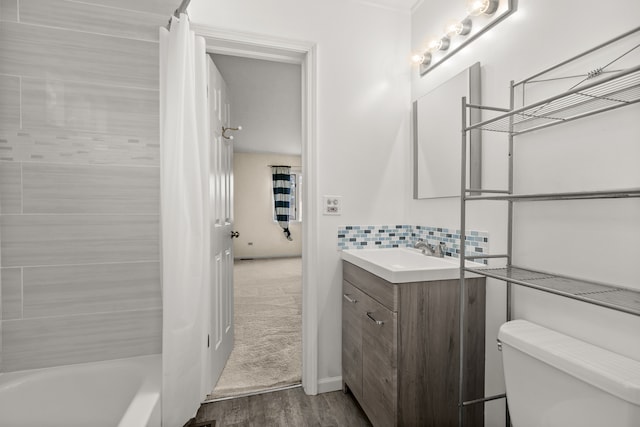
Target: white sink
[[403, 265]]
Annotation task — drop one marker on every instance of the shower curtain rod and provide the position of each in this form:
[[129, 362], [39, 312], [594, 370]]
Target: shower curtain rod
[[182, 8]]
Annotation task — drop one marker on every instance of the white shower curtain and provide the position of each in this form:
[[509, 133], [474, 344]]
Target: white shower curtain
[[184, 214]]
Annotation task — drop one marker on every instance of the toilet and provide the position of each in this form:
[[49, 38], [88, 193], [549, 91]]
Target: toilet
[[556, 380]]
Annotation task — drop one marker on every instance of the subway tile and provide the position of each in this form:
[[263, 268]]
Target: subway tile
[[72, 147], [84, 289], [54, 188], [9, 10], [92, 18], [59, 104], [53, 341], [10, 188], [41, 240], [54, 54], [9, 102], [11, 293]]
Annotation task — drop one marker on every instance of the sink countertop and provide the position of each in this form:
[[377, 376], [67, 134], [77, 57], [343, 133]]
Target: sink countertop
[[404, 265]]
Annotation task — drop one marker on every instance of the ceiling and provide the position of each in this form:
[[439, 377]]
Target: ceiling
[[402, 5], [266, 100], [394, 4]]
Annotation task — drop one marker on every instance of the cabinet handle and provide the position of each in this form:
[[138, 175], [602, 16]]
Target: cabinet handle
[[377, 322], [348, 298]]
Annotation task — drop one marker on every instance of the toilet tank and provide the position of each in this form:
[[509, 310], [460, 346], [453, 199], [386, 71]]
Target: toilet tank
[[556, 380]]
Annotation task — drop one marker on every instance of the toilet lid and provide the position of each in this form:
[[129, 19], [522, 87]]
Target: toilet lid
[[609, 371]]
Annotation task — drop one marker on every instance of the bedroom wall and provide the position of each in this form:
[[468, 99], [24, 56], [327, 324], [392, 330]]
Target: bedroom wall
[[260, 235]]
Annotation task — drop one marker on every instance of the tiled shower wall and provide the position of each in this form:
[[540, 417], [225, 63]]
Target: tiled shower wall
[[79, 180]]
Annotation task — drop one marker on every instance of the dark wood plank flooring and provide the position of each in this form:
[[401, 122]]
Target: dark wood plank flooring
[[286, 408]]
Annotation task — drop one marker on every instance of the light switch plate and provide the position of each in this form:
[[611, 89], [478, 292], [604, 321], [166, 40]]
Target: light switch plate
[[332, 205]]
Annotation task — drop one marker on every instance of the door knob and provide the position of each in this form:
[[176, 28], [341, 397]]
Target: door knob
[[235, 234]]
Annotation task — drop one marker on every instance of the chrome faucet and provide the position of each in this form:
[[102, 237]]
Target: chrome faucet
[[425, 247], [440, 250], [431, 250]]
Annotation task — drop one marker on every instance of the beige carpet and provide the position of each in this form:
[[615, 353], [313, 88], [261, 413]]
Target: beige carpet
[[268, 327]]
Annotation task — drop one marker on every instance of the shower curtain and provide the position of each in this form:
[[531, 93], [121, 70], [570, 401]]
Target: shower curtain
[[184, 215]]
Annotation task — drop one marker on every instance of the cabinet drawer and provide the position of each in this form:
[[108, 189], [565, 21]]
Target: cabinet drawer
[[379, 364], [353, 312], [382, 291]]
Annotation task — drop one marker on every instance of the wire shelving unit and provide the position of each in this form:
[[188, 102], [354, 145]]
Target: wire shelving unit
[[599, 92]]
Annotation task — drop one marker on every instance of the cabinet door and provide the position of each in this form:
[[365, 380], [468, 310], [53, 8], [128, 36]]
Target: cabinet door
[[379, 364], [352, 315]]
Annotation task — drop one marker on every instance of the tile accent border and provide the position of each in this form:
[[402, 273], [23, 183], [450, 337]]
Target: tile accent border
[[403, 235], [71, 147]]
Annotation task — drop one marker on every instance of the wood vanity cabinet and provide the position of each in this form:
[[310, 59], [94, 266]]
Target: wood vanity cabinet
[[400, 349]]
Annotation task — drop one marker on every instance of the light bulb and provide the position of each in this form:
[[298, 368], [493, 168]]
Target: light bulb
[[438, 44], [424, 59], [417, 58], [458, 28], [478, 7]]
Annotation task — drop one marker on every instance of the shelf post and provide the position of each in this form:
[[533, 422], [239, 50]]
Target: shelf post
[[510, 202], [507, 417], [461, 314]]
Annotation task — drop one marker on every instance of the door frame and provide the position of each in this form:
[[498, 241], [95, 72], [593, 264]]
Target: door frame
[[258, 46]]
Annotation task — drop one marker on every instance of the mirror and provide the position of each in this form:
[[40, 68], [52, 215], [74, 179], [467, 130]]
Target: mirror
[[437, 121]]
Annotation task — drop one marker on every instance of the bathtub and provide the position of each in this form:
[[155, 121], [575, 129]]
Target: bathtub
[[122, 393]]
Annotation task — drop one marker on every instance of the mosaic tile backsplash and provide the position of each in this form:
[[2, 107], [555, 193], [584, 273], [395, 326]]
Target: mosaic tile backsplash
[[398, 236]]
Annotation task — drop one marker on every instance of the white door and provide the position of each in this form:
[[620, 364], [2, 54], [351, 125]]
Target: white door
[[221, 214]]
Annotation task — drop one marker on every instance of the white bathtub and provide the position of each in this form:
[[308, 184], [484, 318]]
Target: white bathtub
[[122, 393]]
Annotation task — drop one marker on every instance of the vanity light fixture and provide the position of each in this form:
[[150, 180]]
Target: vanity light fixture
[[481, 16], [478, 7], [423, 59], [458, 28], [417, 59], [438, 44]]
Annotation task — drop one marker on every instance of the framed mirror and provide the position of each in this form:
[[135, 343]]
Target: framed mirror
[[437, 121]]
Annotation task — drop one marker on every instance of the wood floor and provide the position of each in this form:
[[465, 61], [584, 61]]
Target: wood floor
[[286, 408]]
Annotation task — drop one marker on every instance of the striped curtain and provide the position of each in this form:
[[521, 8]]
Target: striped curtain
[[282, 196]]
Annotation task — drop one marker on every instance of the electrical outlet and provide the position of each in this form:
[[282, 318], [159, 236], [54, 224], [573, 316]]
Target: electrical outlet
[[332, 205]]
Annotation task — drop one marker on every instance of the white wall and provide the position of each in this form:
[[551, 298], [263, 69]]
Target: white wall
[[253, 208], [362, 120], [596, 240], [364, 148]]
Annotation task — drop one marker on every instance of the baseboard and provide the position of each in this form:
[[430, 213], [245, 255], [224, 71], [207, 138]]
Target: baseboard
[[266, 257], [325, 385]]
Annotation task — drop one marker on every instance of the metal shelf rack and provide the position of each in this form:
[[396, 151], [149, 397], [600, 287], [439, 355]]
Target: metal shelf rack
[[615, 91], [582, 195], [613, 297], [604, 91]]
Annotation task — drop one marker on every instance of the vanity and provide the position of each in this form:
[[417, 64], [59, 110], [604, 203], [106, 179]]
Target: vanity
[[400, 346]]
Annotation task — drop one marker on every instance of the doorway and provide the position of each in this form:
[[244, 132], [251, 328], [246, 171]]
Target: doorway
[[304, 54], [265, 105]]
